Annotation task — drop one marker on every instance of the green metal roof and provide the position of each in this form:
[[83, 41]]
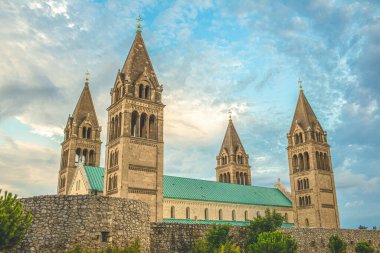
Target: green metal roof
[[211, 191], [218, 222], [95, 177]]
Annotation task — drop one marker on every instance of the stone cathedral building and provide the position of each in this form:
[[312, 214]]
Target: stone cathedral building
[[134, 161]]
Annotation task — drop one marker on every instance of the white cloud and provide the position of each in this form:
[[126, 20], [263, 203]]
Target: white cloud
[[354, 203]]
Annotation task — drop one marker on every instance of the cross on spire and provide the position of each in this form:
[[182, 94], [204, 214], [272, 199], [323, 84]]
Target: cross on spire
[[139, 20], [87, 77], [229, 115], [300, 84]]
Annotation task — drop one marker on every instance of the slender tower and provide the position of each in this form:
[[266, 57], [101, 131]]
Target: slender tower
[[82, 143], [310, 170], [135, 147], [232, 161]]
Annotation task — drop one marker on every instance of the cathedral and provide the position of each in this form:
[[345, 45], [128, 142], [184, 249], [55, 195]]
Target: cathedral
[[134, 160]]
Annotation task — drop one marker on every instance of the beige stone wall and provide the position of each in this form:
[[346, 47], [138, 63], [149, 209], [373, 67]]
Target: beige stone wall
[[197, 209]]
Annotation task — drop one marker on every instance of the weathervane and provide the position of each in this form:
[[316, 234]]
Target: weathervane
[[139, 20]]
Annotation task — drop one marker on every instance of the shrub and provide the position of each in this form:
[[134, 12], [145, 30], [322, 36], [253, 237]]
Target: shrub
[[336, 245], [269, 223], [364, 247], [273, 242], [14, 221], [217, 235]]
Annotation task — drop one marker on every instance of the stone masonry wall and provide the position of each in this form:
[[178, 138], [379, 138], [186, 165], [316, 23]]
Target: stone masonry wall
[[173, 238], [60, 222]]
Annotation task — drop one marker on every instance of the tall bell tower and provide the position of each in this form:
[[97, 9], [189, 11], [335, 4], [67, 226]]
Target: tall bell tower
[[82, 143], [310, 170], [135, 147], [232, 161]]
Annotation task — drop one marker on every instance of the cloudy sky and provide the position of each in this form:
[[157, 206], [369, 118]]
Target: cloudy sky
[[211, 57]]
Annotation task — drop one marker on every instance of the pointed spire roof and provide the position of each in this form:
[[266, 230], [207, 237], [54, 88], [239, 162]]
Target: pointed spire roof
[[304, 115], [231, 140], [138, 62], [85, 107]]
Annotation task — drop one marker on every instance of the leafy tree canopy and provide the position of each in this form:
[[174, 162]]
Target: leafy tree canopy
[[336, 245], [14, 221], [273, 242]]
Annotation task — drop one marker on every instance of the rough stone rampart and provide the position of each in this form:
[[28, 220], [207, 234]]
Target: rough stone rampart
[[61, 222], [171, 237]]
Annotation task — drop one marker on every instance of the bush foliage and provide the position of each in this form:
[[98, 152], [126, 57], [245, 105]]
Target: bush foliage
[[336, 245], [273, 242], [14, 221], [268, 223], [364, 247]]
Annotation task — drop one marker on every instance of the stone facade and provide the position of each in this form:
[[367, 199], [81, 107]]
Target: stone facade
[[197, 210], [177, 238], [232, 163], [82, 143], [310, 170], [134, 155], [60, 222]]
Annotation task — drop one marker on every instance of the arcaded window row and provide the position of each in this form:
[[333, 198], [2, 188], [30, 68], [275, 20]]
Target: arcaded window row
[[84, 156], [143, 126]]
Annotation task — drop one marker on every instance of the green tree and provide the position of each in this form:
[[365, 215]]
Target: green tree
[[217, 235], [269, 223], [216, 240], [336, 245], [14, 221], [273, 242], [364, 247]]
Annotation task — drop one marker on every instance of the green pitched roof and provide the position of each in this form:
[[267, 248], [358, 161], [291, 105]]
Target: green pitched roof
[[95, 177], [211, 191], [218, 222]]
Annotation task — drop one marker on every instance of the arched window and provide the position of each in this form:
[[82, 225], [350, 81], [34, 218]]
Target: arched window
[[304, 183], [89, 133], [306, 222], [307, 183], [172, 212], [116, 126], [300, 138], [141, 91], [119, 126], [84, 157], [228, 177], [295, 163], [237, 177], [110, 182], [84, 132], [286, 218], [143, 125], [258, 214], [220, 178], [116, 158], [134, 121], [246, 215], [242, 178], [111, 128], [220, 214], [233, 215], [206, 213], [224, 178], [187, 212], [301, 164], [306, 161], [147, 92], [297, 139], [317, 158], [246, 178], [152, 127], [77, 156], [300, 201], [115, 182], [326, 160], [92, 157]]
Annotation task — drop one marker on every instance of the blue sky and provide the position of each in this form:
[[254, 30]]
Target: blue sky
[[211, 57]]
